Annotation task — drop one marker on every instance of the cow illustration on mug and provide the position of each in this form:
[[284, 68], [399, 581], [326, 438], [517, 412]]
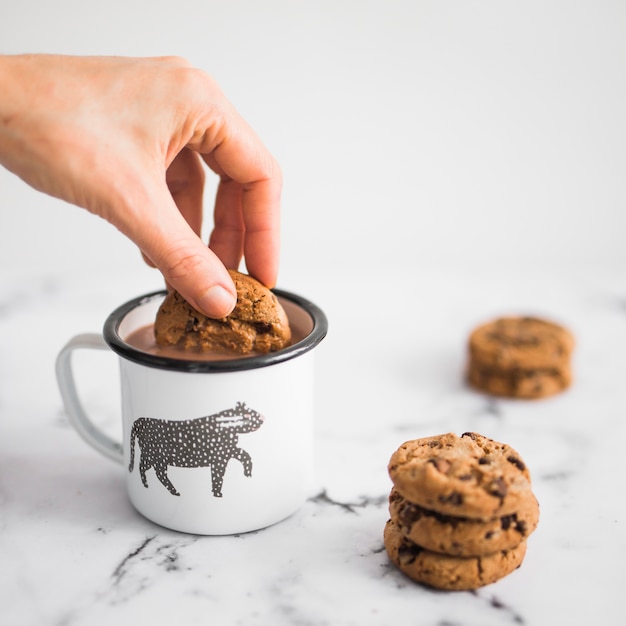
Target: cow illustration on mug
[[200, 442]]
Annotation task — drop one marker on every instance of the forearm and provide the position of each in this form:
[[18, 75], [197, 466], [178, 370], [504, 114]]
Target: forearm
[[9, 102]]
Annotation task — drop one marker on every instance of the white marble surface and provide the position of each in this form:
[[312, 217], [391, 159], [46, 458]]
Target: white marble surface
[[75, 553]]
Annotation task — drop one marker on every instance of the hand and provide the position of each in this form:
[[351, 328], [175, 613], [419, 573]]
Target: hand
[[124, 138]]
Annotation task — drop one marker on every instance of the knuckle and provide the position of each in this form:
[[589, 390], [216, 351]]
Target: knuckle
[[174, 60], [180, 263], [267, 166], [193, 81]]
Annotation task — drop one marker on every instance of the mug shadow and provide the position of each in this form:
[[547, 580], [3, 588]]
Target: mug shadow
[[81, 490]]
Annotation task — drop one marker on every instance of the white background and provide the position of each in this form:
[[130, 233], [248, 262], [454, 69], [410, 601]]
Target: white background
[[411, 134]]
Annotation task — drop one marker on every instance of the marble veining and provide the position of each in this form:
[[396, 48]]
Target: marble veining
[[75, 553]]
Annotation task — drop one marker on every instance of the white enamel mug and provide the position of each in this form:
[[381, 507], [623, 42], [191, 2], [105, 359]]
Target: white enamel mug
[[209, 447]]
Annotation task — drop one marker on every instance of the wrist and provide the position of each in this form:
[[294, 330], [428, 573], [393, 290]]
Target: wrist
[[12, 85]]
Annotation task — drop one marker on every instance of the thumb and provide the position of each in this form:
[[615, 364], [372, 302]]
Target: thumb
[[187, 264], [193, 270]]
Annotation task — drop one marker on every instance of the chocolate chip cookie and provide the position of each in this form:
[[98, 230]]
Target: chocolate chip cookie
[[460, 536], [521, 342], [520, 357], [447, 572], [470, 476], [258, 324], [526, 384]]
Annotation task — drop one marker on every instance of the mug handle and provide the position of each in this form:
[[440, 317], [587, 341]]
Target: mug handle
[[79, 419]]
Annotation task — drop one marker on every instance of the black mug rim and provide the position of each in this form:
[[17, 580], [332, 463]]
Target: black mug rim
[[118, 345]]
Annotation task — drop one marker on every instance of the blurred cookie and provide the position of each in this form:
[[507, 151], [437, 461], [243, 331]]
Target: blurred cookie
[[526, 384], [258, 323], [458, 536], [447, 572], [520, 357], [469, 476], [514, 343]]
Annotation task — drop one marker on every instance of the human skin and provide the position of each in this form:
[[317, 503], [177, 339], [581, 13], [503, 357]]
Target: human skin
[[125, 139]]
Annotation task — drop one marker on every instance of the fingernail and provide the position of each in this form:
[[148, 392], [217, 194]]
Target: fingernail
[[217, 302]]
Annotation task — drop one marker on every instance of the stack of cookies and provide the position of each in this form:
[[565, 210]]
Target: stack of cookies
[[520, 357], [461, 510]]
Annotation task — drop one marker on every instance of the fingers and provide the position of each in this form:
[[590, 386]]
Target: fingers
[[227, 237], [247, 206], [199, 276], [169, 243], [185, 180], [188, 271], [246, 222], [261, 213], [193, 270]]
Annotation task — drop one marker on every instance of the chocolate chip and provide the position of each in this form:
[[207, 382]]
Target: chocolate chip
[[394, 496], [262, 328], [408, 515], [497, 487], [408, 552], [506, 521], [455, 499], [517, 462], [442, 465], [469, 434]]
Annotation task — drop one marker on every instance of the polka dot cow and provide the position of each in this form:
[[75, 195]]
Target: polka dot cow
[[200, 442]]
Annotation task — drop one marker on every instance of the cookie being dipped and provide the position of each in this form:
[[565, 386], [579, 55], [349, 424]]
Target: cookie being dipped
[[257, 325]]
